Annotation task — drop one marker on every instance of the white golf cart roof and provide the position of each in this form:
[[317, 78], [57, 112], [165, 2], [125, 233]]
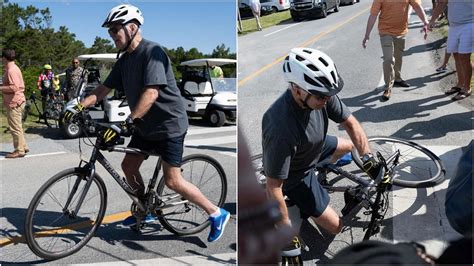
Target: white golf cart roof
[[99, 57], [208, 62]]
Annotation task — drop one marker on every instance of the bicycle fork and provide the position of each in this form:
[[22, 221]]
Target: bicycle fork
[[90, 171]]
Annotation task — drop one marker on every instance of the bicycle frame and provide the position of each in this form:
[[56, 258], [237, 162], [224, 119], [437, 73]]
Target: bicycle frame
[[89, 170]]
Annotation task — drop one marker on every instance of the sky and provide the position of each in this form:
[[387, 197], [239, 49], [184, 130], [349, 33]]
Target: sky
[[201, 24]]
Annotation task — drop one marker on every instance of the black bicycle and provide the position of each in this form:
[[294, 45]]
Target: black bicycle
[[67, 210], [51, 112], [405, 164]]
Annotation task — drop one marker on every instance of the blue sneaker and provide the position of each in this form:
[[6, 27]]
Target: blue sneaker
[[218, 225], [344, 160], [131, 220]]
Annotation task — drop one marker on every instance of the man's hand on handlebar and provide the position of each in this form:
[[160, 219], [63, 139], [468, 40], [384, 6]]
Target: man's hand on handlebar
[[371, 166], [72, 111], [127, 127], [113, 133]]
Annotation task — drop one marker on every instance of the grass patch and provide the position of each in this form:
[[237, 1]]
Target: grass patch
[[250, 24]]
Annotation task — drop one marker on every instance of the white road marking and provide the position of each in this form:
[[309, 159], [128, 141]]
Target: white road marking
[[199, 131], [285, 28], [215, 259], [211, 141], [39, 155], [229, 153]]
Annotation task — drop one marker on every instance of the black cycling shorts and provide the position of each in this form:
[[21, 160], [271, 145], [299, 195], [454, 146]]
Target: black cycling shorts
[[170, 150], [310, 197]]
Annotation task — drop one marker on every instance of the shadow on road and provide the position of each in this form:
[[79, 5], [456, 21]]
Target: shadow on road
[[112, 233], [436, 128]]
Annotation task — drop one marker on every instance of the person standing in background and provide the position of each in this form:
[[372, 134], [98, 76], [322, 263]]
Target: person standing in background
[[45, 84], [73, 77], [460, 42], [255, 6], [14, 100], [393, 27]]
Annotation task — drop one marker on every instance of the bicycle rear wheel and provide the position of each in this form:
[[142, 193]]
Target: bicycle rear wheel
[[187, 218], [418, 167], [53, 231]]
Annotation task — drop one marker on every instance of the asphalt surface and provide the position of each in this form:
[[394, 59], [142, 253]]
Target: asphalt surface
[[112, 243], [421, 113]]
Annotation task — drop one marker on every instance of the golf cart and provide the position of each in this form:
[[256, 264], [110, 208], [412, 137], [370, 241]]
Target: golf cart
[[112, 109], [215, 99]]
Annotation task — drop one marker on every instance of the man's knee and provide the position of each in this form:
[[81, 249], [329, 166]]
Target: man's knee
[[172, 176], [336, 227], [330, 221]]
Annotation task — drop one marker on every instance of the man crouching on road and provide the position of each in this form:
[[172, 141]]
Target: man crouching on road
[[294, 136]]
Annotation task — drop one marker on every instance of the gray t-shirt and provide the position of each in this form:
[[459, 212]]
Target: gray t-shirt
[[293, 138], [148, 65], [460, 12]]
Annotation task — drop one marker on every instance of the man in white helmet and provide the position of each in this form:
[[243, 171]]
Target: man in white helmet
[[158, 117], [294, 136]]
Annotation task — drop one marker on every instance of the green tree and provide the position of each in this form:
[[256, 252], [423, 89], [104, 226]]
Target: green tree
[[100, 46]]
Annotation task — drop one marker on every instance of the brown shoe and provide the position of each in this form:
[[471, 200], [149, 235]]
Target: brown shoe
[[386, 94], [15, 154], [27, 150]]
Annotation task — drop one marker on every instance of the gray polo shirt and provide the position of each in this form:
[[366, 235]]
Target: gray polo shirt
[[148, 65], [293, 138]]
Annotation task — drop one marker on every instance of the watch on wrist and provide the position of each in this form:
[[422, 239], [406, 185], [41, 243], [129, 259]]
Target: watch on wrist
[[366, 157]]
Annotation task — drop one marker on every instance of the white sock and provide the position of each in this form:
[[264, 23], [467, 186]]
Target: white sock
[[216, 213]]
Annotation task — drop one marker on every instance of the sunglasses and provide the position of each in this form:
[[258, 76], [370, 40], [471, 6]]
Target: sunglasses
[[320, 97], [75, 63], [114, 30]]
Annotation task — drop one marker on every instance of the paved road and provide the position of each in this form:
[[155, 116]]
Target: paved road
[[421, 112], [21, 178]]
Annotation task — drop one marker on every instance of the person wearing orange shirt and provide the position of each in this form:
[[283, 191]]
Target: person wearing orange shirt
[[14, 100], [393, 27]]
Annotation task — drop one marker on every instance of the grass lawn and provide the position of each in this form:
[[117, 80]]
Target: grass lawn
[[250, 24]]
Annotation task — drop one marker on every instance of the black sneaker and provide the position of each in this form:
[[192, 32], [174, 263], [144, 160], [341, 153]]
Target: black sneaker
[[401, 83]]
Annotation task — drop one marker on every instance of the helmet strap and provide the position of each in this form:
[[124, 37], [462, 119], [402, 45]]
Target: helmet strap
[[305, 101], [129, 40]]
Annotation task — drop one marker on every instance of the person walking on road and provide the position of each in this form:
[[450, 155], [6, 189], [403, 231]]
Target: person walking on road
[[460, 42], [158, 117], [295, 140], [255, 6], [13, 89], [393, 27]]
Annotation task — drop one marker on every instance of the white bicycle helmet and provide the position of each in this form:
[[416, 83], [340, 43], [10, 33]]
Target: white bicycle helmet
[[122, 14], [313, 71]]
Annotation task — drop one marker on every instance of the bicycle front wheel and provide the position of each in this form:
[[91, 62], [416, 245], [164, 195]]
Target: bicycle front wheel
[[182, 217], [52, 229], [418, 167]]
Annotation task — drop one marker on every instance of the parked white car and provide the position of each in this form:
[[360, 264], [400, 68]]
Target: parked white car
[[276, 5]]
